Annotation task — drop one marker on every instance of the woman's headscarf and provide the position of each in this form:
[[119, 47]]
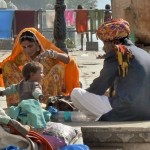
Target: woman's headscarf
[[17, 48], [71, 69], [113, 30]]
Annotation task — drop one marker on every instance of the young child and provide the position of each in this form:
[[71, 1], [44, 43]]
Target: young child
[[30, 94], [29, 87]]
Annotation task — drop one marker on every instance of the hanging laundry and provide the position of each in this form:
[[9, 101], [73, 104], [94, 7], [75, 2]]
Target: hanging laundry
[[100, 17], [50, 16], [69, 17], [6, 17], [24, 19], [81, 21], [92, 17]]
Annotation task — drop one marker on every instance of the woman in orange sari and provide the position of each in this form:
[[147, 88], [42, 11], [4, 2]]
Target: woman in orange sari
[[61, 71]]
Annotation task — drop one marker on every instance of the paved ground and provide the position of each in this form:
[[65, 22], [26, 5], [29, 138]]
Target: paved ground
[[3, 55], [88, 65]]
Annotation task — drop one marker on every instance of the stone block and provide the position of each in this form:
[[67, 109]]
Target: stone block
[[92, 46], [117, 136]]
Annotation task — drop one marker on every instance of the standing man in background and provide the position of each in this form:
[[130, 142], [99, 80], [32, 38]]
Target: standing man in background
[[108, 14], [81, 25]]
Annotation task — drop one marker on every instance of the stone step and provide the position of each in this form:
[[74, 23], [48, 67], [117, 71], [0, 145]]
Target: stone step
[[117, 135]]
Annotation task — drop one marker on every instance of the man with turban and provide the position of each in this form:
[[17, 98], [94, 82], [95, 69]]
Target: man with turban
[[127, 68]]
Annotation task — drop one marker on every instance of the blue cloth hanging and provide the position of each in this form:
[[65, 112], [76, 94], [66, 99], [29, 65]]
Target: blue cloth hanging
[[6, 18]]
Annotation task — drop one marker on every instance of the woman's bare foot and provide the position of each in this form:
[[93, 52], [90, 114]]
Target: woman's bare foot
[[18, 127]]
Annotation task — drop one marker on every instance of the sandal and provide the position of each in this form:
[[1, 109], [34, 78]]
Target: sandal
[[100, 56]]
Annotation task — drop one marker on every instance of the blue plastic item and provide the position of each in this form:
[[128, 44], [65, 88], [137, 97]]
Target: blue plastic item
[[52, 110], [75, 147], [11, 147]]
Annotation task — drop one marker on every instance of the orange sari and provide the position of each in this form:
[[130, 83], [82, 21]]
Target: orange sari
[[60, 78]]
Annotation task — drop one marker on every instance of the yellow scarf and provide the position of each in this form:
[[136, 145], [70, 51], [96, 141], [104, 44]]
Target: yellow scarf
[[124, 57]]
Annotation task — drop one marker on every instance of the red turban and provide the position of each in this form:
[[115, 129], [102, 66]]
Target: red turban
[[113, 29]]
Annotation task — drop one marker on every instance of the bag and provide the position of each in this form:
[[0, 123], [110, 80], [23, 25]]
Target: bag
[[65, 132], [40, 140], [56, 142], [62, 103]]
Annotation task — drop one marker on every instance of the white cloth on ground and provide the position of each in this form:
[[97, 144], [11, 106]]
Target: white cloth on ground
[[91, 104]]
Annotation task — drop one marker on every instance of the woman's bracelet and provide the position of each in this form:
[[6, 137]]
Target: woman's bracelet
[[52, 54]]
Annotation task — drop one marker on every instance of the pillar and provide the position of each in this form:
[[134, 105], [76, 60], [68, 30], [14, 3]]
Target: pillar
[[60, 25]]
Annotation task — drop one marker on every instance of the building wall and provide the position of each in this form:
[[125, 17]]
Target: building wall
[[118, 7], [137, 13]]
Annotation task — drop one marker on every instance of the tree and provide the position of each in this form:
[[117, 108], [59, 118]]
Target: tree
[[37, 4], [72, 4], [85, 3]]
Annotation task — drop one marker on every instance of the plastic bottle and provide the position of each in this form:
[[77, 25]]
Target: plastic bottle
[[70, 116]]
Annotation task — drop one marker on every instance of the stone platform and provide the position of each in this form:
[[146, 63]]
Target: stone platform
[[117, 135]]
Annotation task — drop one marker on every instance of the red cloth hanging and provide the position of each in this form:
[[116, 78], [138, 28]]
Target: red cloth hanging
[[24, 19], [81, 21]]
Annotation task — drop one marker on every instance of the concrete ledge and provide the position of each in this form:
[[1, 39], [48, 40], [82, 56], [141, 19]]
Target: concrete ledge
[[117, 135], [6, 44]]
